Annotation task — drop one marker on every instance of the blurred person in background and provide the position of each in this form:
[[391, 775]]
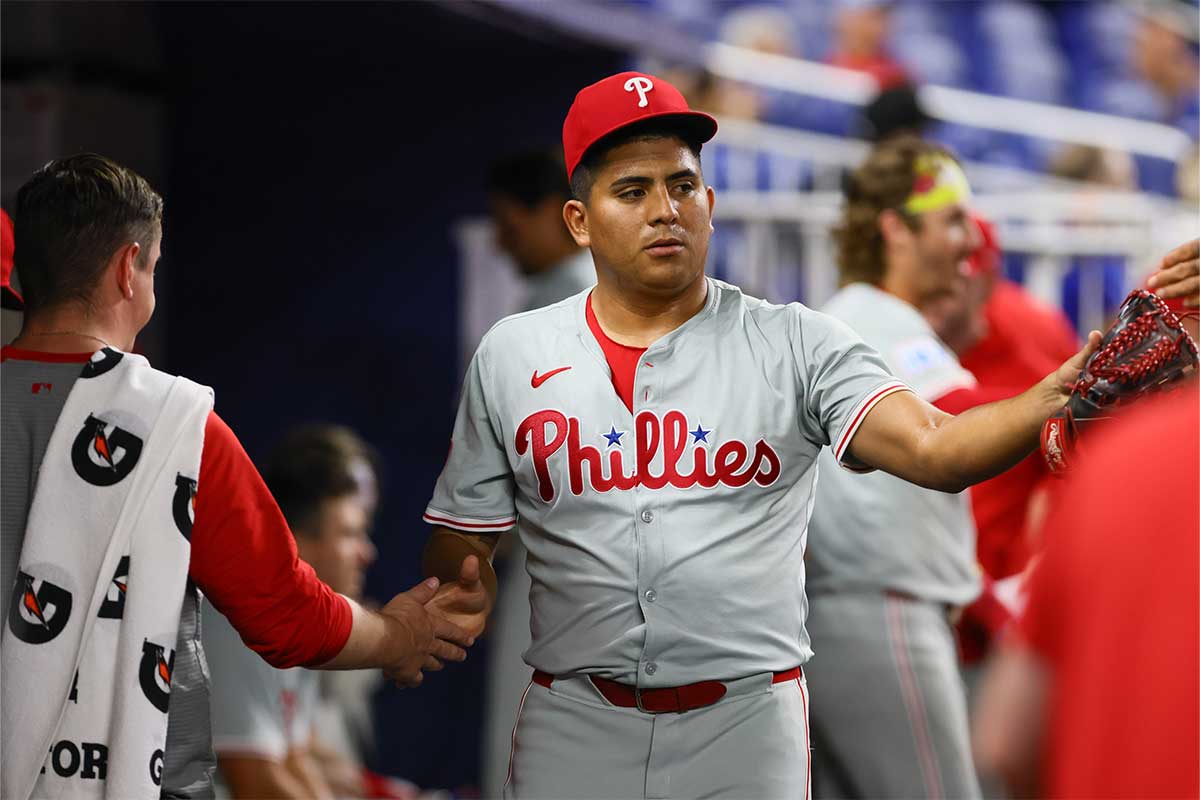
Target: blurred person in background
[[890, 562], [1095, 285], [527, 192], [1163, 58], [895, 111], [1005, 337], [1095, 693], [266, 723], [861, 31], [81, 415]]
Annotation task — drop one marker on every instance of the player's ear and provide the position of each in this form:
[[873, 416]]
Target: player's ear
[[712, 204], [576, 218], [124, 262], [892, 227]]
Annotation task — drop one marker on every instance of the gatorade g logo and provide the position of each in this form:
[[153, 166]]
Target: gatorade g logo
[[154, 674], [641, 86], [183, 506], [36, 614], [101, 456], [113, 606], [103, 361]]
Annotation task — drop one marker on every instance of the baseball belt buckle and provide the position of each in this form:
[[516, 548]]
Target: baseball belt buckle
[[637, 699]]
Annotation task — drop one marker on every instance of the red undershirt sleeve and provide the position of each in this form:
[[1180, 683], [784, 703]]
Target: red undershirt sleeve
[[244, 560]]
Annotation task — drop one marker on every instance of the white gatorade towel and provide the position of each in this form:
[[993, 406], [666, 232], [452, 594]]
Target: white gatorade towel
[[88, 645]]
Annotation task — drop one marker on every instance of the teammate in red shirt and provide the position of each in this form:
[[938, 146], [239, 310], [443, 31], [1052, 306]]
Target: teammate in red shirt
[[1096, 693], [88, 240]]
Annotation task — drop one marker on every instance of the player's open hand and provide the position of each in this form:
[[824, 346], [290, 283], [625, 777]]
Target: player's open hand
[[1065, 376], [465, 602], [1179, 275], [419, 639]]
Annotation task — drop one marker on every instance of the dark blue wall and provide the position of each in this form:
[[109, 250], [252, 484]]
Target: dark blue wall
[[318, 154]]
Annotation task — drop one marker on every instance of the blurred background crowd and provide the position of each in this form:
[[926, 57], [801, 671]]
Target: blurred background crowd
[[356, 192]]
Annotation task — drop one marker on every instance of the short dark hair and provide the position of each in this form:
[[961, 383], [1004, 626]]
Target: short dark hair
[[315, 463], [70, 217], [530, 177], [584, 176]]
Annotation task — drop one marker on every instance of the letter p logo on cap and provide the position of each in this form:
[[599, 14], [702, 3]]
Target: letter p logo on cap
[[640, 85]]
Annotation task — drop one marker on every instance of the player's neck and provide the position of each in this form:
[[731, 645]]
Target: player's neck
[[637, 320], [70, 330], [894, 284]]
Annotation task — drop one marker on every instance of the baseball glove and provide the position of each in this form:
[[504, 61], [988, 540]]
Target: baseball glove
[[1145, 351]]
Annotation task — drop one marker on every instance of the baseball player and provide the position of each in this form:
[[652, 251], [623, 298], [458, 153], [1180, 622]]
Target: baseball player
[[97, 701], [653, 442], [888, 559]]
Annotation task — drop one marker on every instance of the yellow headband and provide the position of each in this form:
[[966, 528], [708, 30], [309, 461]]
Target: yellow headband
[[940, 182]]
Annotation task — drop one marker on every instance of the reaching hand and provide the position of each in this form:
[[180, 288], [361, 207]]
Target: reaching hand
[[1179, 275], [419, 639], [466, 602], [1066, 375]]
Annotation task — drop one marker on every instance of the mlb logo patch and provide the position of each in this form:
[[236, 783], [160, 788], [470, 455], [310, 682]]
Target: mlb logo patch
[[918, 356]]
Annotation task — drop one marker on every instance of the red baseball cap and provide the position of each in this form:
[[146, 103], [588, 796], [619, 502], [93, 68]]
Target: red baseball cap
[[623, 99], [8, 296]]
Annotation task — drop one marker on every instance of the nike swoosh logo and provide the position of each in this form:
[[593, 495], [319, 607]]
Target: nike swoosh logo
[[538, 380]]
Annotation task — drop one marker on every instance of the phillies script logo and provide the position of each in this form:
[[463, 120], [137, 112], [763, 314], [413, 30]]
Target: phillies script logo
[[154, 674], [183, 506], [113, 606], [103, 456], [101, 362], [37, 613], [733, 464]]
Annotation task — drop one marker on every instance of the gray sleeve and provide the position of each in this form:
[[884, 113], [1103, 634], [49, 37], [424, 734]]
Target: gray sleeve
[[475, 491], [928, 366], [841, 379], [248, 714]]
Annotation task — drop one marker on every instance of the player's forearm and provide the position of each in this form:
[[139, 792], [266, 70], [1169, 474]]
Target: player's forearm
[[308, 773], [446, 549], [365, 647], [986, 440]]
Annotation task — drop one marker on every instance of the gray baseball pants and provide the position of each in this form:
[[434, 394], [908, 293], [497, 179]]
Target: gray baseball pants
[[889, 712], [570, 742]]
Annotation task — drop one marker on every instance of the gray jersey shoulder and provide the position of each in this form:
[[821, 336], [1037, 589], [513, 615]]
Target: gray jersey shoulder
[[903, 337]]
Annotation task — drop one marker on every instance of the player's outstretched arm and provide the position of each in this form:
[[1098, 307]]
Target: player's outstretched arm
[[909, 438], [402, 638], [463, 563]]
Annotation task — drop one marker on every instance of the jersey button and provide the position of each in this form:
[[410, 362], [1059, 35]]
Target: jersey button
[[651, 595], [651, 668], [647, 516]]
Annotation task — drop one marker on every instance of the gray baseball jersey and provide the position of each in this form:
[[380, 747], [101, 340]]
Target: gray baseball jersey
[[257, 710], [665, 545], [878, 531]]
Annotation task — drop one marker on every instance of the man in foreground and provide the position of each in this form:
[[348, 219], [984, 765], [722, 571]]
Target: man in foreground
[[124, 497], [654, 442]]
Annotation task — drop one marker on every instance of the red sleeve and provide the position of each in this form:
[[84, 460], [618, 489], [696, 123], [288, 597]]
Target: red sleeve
[[244, 560], [957, 401]]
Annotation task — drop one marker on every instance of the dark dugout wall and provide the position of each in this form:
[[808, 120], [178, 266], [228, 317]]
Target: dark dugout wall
[[317, 155]]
